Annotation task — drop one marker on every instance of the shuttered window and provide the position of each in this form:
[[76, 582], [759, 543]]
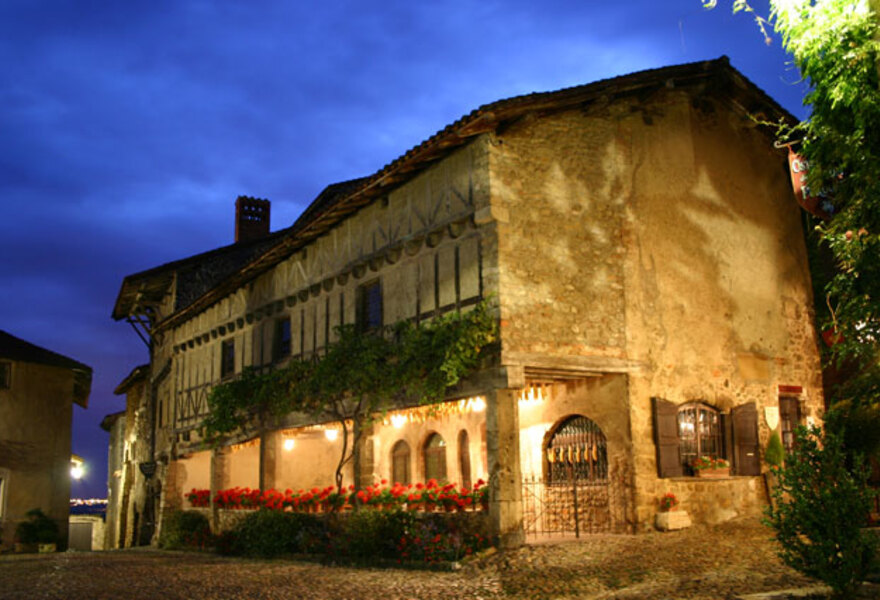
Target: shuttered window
[[690, 431], [699, 433]]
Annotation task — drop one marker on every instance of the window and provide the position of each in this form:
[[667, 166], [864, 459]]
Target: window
[[699, 433], [464, 458], [369, 306], [435, 457], [789, 419], [282, 339], [400, 463], [5, 375], [227, 358], [577, 451], [689, 431]]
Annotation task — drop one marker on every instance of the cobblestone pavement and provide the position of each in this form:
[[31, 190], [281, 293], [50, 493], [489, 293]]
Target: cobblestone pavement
[[702, 562]]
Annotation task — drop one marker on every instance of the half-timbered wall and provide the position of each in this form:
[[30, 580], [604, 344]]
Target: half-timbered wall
[[420, 242]]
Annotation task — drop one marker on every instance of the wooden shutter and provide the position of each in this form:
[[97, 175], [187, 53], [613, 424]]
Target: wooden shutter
[[666, 438], [746, 450]]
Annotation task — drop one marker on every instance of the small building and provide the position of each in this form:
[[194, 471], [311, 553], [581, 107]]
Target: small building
[[38, 389], [644, 257]]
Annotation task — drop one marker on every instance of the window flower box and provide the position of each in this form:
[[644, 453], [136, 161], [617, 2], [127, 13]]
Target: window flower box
[[720, 473], [708, 467]]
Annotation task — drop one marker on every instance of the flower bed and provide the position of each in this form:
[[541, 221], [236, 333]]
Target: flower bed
[[426, 497]]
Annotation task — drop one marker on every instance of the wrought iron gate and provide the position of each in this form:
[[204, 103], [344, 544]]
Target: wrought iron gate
[[577, 495]]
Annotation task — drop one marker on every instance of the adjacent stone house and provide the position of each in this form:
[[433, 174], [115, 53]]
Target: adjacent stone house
[[645, 257], [38, 389]]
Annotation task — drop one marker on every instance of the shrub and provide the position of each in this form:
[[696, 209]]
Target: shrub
[[38, 529], [269, 533], [438, 537], [775, 452], [185, 528], [820, 510], [369, 534]]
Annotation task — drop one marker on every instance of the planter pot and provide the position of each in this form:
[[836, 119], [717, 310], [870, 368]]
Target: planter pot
[[47, 548], [671, 521], [21, 548], [712, 473]]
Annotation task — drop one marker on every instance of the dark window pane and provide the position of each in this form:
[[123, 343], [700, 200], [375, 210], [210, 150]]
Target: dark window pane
[[435, 458], [400, 463], [5, 374], [227, 358], [699, 433], [282, 339], [369, 306]]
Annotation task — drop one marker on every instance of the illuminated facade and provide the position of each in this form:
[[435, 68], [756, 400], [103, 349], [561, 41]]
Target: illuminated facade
[[644, 256]]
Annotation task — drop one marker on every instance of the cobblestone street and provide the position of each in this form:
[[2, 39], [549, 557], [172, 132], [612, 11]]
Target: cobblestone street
[[724, 561]]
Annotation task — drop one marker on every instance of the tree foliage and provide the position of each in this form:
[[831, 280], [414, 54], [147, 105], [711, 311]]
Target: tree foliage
[[360, 375], [820, 509]]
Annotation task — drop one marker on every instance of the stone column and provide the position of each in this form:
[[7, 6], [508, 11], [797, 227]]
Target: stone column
[[268, 449], [219, 467], [505, 477]]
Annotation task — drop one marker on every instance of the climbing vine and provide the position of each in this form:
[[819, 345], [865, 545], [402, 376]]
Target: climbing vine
[[360, 375]]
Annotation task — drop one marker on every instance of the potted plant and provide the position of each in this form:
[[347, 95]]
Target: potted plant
[[37, 533], [668, 502], [712, 468], [670, 518]]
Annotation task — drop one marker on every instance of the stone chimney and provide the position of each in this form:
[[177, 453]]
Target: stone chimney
[[251, 219]]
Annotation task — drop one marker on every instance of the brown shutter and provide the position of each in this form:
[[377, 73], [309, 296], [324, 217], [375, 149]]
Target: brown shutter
[[746, 450], [666, 438]]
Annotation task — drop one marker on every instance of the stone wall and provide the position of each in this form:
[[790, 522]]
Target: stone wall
[[657, 238]]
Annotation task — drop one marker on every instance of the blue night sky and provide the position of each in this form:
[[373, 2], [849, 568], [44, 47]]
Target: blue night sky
[[129, 128]]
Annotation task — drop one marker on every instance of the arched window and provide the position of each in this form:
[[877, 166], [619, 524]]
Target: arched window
[[699, 432], [400, 463], [577, 451], [435, 457], [464, 458]]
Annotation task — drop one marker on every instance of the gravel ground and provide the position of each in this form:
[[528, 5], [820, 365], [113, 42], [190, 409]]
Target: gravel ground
[[701, 562]]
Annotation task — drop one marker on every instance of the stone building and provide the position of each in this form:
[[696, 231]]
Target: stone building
[[38, 389], [644, 255]]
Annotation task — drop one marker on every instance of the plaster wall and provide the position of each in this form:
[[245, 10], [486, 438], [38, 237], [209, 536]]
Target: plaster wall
[[35, 420], [420, 244]]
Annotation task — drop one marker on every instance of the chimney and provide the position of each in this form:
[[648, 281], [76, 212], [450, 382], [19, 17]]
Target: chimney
[[251, 219]]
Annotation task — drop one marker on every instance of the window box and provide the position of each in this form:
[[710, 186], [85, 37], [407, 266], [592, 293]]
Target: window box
[[722, 473]]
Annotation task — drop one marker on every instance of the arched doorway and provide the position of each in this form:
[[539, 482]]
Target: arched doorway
[[573, 496]]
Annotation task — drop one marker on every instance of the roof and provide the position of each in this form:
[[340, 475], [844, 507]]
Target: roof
[[137, 374], [196, 275], [108, 420], [17, 349], [14, 348], [338, 201]]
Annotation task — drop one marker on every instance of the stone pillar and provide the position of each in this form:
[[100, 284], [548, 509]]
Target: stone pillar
[[268, 450], [219, 466], [505, 477]]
